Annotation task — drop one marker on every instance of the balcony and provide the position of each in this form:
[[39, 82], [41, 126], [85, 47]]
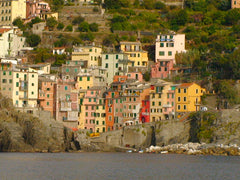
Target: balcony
[[65, 106]]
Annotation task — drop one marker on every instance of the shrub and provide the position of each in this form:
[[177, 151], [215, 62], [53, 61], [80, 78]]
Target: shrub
[[69, 28], [60, 26]]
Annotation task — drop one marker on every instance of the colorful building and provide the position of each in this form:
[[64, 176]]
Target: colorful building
[[162, 69], [46, 94], [135, 53], [167, 45], [145, 111], [92, 54], [12, 9], [188, 97], [66, 109], [21, 86], [115, 64], [235, 4]]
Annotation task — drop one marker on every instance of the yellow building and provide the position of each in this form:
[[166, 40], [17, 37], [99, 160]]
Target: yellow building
[[91, 54], [100, 125], [135, 53], [188, 97], [21, 86], [10, 10], [159, 100], [84, 81]]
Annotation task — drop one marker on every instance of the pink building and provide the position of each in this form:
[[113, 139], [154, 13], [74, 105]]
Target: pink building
[[162, 69], [135, 75], [66, 98], [169, 108], [91, 100], [36, 8]]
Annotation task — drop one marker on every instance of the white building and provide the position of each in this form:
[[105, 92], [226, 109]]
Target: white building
[[11, 41], [115, 64], [167, 45]]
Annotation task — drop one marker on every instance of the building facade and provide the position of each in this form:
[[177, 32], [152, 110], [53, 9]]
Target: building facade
[[10, 10], [167, 45]]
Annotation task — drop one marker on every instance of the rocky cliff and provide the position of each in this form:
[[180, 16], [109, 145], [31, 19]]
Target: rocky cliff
[[23, 132]]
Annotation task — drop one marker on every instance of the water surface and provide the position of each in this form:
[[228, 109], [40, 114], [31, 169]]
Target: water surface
[[74, 166]]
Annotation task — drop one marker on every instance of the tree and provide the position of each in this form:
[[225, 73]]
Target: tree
[[77, 20], [19, 23], [87, 36], [116, 4], [51, 22], [93, 27], [232, 16], [69, 28], [60, 26], [33, 40], [83, 27]]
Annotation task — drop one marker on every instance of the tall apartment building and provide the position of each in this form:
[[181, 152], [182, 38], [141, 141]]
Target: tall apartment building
[[115, 64], [11, 41], [10, 10], [21, 86], [167, 45]]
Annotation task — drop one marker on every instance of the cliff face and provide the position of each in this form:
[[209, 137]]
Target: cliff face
[[22, 132], [216, 128]]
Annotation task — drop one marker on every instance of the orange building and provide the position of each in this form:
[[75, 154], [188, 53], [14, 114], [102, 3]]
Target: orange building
[[46, 94]]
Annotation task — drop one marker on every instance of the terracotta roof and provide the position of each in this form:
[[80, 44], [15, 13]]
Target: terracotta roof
[[3, 30], [59, 48], [185, 85]]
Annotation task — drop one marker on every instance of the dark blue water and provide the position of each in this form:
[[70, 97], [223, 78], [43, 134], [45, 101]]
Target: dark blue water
[[75, 166]]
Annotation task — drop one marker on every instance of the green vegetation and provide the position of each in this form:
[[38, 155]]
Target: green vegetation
[[202, 126]]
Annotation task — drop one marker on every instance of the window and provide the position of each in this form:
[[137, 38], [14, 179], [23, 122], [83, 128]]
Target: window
[[66, 88], [172, 104], [88, 78], [86, 114], [4, 72], [171, 36], [185, 90], [184, 107], [169, 53], [75, 70], [161, 53], [184, 99], [179, 107], [117, 56], [153, 103], [179, 90], [48, 95], [10, 72], [4, 81], [130, 107], [17, 75], [106, 65], [47, 103], [106, 56], [179, 98], [10, 81], [116, 65], [32, 84], [159, 103], [67, 70], [32, 93], [16, 93], [168, 96], [17, 84], [196, 91]]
